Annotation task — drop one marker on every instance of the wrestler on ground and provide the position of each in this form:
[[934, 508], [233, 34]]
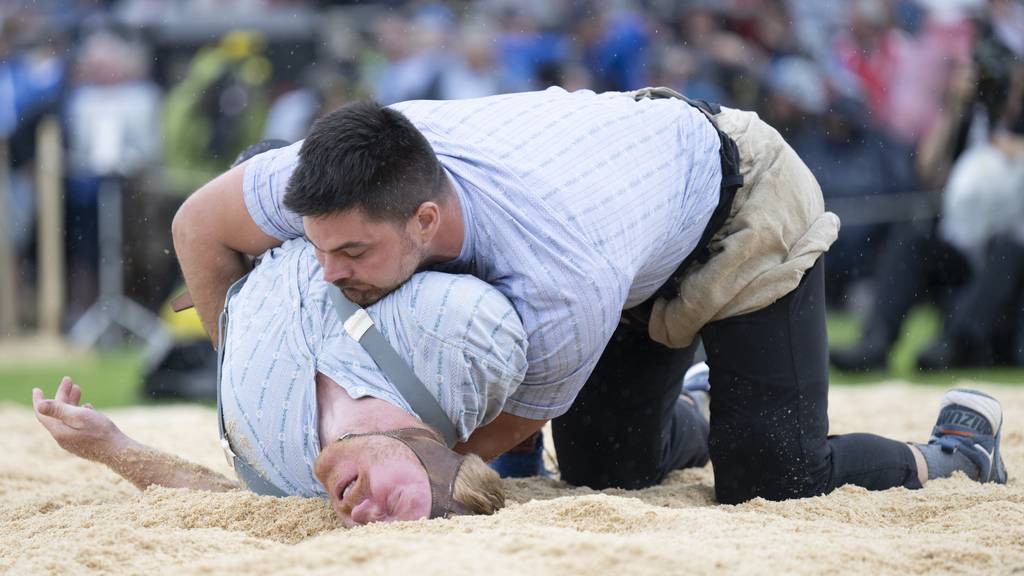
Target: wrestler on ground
[[582, 209], [294, 381]]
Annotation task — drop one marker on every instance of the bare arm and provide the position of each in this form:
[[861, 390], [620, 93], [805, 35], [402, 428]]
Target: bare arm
[[212, 232], [89, 434], [144, 466], [503, 433]]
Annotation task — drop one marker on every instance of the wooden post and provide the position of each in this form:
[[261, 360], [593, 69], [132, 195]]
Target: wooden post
[[8, 264], [50, 227]]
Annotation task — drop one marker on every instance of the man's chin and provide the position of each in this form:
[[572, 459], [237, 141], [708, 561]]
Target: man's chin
[[363, 298]]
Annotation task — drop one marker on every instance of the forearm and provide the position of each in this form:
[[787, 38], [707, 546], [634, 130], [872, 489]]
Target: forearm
[[209, 269], [497, 437], [212, 232], [144, 467]]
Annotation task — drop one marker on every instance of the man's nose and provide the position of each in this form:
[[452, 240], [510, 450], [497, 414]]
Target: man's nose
[[368, 511], [336, 270]]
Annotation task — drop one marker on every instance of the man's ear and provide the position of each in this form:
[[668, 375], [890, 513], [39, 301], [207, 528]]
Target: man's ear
[[426, 221]]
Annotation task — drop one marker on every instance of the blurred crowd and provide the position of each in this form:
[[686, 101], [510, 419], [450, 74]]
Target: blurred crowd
[[879, 97]]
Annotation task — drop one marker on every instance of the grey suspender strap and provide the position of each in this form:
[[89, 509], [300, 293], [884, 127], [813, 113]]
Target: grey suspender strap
[[359, 325], [252, 479]]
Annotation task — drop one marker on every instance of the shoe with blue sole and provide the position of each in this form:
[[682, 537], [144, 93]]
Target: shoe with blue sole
[[970, 422], [523, 461]]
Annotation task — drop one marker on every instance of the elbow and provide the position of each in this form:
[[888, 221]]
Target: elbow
[[189, 227], [180, 226]]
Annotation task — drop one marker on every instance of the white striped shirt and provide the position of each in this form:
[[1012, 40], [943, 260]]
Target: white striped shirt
[[576, 206], [283, 329]]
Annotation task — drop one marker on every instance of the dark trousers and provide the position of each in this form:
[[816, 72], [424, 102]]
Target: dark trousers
[[987, 312], [916, 264], [769, 412]]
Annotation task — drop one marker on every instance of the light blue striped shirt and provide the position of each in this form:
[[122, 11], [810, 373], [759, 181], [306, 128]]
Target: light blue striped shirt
[[460, 335], [576, 206]]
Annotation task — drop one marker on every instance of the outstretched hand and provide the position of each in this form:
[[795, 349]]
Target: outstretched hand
[[78, 429]]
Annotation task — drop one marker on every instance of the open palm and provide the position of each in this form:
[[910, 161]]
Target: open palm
[[78, 429]]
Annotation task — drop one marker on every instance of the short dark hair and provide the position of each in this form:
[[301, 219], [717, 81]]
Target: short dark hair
[[366, 156]]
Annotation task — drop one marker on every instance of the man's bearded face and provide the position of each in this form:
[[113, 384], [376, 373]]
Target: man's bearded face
[[366, 258]]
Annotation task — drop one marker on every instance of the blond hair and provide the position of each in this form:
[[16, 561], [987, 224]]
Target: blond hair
[[478, 487]]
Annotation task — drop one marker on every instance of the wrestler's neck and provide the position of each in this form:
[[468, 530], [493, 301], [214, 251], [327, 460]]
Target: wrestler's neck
[[340, 414]]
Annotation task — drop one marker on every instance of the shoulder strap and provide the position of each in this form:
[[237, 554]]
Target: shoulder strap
[[359, 325]]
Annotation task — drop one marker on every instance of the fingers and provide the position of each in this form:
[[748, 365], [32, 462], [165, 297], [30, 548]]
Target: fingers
[[64, 406], [68, 392], [51, 409], [66, 413], [63, 390], [42, 407]]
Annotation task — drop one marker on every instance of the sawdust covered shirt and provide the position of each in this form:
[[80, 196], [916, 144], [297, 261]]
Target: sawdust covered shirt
[[461, 337]]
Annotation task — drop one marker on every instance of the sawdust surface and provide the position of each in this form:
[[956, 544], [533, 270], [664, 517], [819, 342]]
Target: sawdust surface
[[61, 515]]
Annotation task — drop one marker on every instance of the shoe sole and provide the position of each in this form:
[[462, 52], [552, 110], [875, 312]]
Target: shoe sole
[[1000, 470]]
